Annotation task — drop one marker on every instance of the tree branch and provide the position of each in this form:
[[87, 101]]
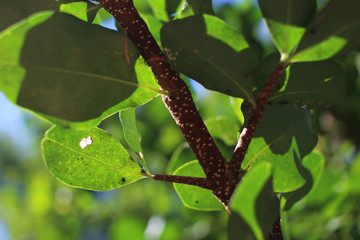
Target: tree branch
[[180, 102], [254, 119], [195, 181], [276, 232]]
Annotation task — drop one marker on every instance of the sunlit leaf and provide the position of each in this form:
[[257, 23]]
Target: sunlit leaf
[[85, 11], [159, 9], [287, 20], [223, 128], [195, 197], [209, 51], [312, 166], [131, 134], [56, 72], [335, 28], [89, 159], [283, 138], [255, 202]]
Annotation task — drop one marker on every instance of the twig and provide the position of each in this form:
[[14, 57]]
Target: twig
[[254, 119], [195, 181]]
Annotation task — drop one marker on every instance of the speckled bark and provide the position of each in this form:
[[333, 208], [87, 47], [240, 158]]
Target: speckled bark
[[254, 119], [221, 177], [180, 102], [199, 182], [276, 232]]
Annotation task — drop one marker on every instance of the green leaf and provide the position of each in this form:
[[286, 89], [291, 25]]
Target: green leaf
[[201, 6], [335, 28], [280, 125], [223, 128], [131, 134], [287, 20], [238, 228], [159, 9], [85, 11], [312, 166], [312, 84], [12, 12], [182, 154], [209, 51], [256, 203], [195, 197], [287, 176], [90, 159], [283, 138], [55, 71]]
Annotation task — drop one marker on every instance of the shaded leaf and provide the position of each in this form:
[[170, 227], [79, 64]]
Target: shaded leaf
[[255, 201], [195, 197], [335, 28], [312, 166], [209, 51], [201, 6], [283, 138], [56, 72], [312, 84], [280, 125], [287, 20], [238, 228], [223, 128], [97, 163], [182, 154], [131, 134], [12, 12]]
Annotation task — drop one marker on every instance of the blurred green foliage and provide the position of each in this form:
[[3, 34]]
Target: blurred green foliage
[[34, 205]]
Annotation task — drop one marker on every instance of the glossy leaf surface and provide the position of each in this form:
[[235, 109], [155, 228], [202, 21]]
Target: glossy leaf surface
[[56, 72], [195, 197], [336, 28], [90, 159], [209, 51], [283, 138], [256, 203], [287, 20]]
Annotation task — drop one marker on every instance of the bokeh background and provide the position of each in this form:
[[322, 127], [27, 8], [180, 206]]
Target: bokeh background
[[34, 205]]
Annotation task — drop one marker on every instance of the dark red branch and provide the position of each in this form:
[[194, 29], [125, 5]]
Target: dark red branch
[[180, 102], [195, 181], [276, 232], [254, 119]]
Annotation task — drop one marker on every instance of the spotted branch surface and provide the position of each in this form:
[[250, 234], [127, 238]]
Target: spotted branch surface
[[180, 102], [276, 231], [195, 181], [221, 177], [254, 119]]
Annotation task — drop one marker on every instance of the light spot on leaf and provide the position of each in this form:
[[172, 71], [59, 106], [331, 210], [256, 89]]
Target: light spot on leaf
[[85, 142]]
